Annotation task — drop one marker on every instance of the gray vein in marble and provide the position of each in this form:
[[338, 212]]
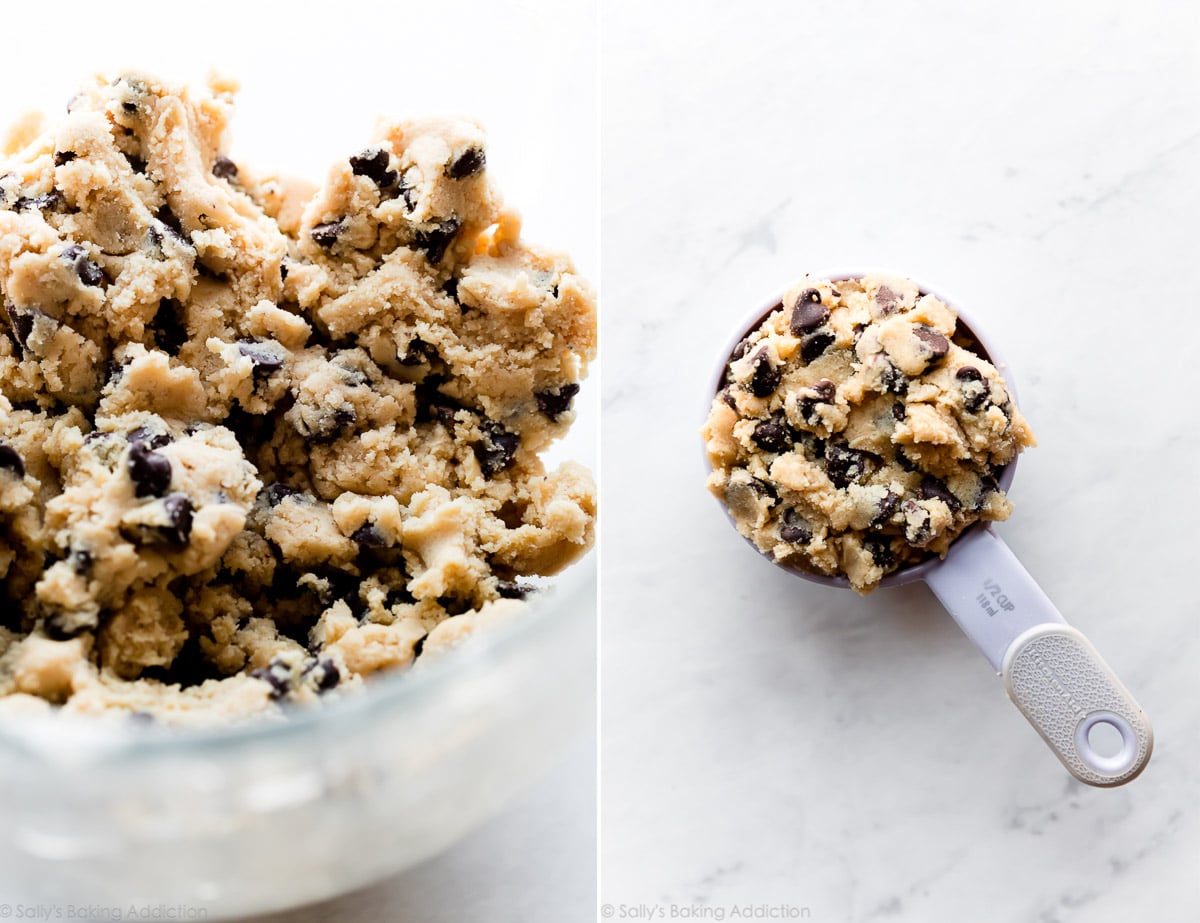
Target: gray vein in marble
[[1079, 205]]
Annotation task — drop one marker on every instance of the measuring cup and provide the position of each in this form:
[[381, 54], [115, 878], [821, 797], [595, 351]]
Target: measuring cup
[[1051, 672]]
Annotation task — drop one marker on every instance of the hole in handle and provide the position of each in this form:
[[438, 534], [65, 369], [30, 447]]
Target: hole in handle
[[1106, 742]]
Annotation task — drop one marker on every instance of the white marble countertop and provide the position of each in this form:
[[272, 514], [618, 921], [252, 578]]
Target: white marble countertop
[[771, 742]]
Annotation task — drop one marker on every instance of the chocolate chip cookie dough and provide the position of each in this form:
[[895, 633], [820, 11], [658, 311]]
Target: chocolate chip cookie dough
[[854, 435], [259, 439]]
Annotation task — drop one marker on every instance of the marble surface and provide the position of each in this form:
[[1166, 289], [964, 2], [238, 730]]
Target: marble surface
[[770, 742]]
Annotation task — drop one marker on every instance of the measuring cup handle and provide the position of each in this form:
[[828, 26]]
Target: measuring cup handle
[[1052, 673]]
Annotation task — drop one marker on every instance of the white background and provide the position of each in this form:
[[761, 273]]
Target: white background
[[767, 740], [314, 77]]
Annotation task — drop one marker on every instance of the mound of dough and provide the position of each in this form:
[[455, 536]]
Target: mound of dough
[[854, 435], [260, 439]]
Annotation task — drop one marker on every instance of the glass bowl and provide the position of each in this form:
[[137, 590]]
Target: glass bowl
[[270, 815]]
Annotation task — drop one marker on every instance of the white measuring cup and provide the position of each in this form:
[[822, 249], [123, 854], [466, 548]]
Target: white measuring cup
[[1051, 672]]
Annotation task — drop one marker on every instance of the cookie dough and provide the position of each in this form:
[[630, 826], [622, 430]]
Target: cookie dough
[[260, 439], [855, 432]]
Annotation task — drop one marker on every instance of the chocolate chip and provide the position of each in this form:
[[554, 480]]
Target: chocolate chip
[[555, 403], [887, 300], [21, 321], [405, 189], [113, 371], [813, 345], [469, 162], [987, 485], [905, 462], [880, 549], [899, 412], [345, 416], [324, 672], [170, 331], [845, 465], [136, 163], [81, 561], [224, 168], [369, 536], [283, 269], [150, 471], [813, 445], [450, 287], [326, 235], [433, 406], [727, 398], [129, 107], [795, 530], [179, 512], [772, 436], [885, 508], [823, 392], [10, 460], [327, 674], [276, 493], [47, 201], [935, 344], [264, 359], [171, 225], [419, 645], [766, 376], [893, 380], [373, 164], [278, 676], [808, 409], [809, 313], [511, 589], [740, 350], [435, 240], [61, 157], [932, 488], [497, 450], [89, 273], [974, 388], [148, 438], [419, 353]]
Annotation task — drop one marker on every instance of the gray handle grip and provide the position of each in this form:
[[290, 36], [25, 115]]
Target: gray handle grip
[[1056, 678], [1051, 671]]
